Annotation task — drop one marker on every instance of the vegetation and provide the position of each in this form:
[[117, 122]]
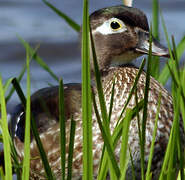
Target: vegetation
[[170, 70]]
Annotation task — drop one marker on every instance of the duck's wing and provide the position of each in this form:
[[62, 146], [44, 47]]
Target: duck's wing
[[45, 108]]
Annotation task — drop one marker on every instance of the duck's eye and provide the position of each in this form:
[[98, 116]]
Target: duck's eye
[[115, 25]]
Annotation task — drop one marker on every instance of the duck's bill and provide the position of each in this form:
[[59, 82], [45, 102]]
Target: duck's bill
[[157, 48]]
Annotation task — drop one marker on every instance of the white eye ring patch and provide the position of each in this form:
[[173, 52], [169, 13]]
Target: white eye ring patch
[[106, 29]]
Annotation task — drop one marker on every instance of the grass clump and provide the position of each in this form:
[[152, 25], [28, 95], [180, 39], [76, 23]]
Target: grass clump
[[5, 134], [174, 156]]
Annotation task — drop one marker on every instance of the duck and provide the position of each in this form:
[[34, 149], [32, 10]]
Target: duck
[[120, 35]]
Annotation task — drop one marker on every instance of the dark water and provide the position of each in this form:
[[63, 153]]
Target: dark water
[[59, 44]]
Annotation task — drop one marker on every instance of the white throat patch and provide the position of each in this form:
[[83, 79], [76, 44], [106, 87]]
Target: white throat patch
[[125, 58]]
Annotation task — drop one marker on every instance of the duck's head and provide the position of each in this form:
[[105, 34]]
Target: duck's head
[[121, 34]]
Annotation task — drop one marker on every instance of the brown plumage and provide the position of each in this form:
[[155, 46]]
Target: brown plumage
[[114, 47]]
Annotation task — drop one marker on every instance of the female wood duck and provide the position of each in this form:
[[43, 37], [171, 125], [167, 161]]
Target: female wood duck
[[120, 35]]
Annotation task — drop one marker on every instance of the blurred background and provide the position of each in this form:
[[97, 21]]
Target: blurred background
[[59, 44]]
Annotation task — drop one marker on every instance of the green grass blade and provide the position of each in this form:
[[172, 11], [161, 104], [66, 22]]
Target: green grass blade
[[125, 135], [114, 169], [38, 59], [133, 87], [7, 84], [147, 84], [155, 18], [20, 75], [45, 162], [167, 167], [148, 174], [183, 78], [111, 101], [62, 128], [103, 109], [177, 82], [69, 21], [180, 153], [2, 174], [99, 86], [26, 161], [175, 131], [5, 134], [115, 137], [71, 149], [166, 158], [103, 168], [123, 174], [132, 164], [182, 106], [131, 113], [165, 73], [19, 79], [106, 140], [35, 131], [166, 35], [155, 25], [179, 175], [138, 118], [175, 64], [16, 164], [86, 98], [178, 95], [19, 91], [1, 138]]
